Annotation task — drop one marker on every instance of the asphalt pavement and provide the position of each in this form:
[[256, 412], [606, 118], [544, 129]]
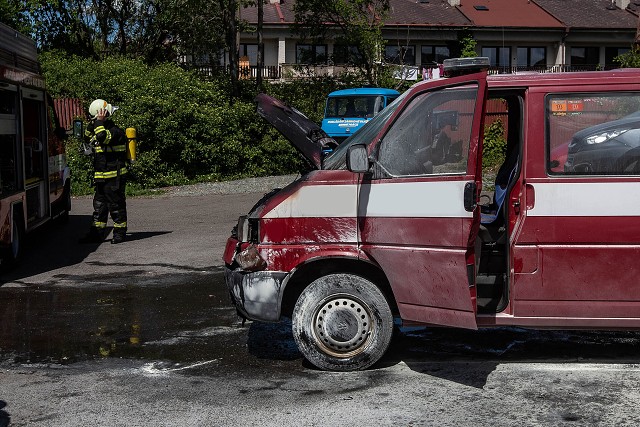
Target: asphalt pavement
[[143, 334]]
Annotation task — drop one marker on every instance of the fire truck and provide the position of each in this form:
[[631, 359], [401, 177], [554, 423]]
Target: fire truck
[[34, 175]]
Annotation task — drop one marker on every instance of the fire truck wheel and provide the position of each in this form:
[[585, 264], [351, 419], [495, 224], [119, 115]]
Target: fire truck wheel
[[66, 208], [14, 252], [342, 322]]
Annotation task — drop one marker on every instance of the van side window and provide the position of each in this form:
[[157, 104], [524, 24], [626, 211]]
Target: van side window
[[593, 134], [432, 134]]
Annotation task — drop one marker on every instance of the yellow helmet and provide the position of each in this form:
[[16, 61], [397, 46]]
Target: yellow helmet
[[99, 104]]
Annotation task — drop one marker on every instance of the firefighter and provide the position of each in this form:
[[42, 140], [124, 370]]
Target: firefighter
[[110, 173]]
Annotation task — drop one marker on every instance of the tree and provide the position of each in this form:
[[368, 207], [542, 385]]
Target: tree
[[631, 59], [193, 28], [352, 23], [468, 47], [155, 30], [230, 25], [11, 14]]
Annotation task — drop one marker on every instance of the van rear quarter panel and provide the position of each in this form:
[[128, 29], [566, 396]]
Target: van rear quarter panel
[[576, 251]]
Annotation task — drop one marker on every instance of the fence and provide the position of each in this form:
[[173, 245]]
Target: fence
[[271, 72], [68, 109]]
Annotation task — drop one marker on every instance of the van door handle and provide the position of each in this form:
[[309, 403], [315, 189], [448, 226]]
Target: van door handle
[[470, 196], [516, 208], [530, 195]]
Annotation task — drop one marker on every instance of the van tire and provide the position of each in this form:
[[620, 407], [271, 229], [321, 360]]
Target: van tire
[[342, 322]]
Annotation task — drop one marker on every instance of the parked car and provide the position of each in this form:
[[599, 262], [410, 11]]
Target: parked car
[[607, 148]]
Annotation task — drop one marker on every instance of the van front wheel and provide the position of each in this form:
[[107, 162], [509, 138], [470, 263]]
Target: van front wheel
[[342, 322]]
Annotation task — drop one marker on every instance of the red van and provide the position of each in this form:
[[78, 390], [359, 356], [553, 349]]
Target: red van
[[390, 224]]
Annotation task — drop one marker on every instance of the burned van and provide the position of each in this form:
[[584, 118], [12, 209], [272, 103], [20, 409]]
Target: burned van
[[390, 225]]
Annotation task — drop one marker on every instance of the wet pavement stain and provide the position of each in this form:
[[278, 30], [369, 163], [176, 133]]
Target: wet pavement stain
[[187, 321]]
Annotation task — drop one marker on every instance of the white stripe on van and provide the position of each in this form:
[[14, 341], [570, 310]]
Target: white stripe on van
[[442, 199], [586, 199]]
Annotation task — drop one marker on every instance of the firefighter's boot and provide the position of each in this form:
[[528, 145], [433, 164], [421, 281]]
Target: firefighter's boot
[[119, 236], [95, 235]]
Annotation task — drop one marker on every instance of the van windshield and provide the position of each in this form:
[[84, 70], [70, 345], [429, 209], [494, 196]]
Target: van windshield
[[338, 159]]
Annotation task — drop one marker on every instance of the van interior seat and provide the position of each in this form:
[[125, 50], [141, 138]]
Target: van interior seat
[[492, 212], [492, 215]]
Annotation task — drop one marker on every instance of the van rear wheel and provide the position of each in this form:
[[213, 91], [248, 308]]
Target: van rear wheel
[[342, 322]]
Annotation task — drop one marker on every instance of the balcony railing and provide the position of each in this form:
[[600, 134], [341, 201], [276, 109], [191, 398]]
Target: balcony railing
[[268, 72], [301, 71], [546, 69]]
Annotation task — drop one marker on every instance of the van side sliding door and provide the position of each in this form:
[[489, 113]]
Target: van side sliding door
[[578, 251]]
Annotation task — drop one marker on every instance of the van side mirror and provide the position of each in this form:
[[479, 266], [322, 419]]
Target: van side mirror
[[78, 128], [358, 158]]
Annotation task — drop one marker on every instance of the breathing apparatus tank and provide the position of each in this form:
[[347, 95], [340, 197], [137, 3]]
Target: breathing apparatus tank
[[131, 144]]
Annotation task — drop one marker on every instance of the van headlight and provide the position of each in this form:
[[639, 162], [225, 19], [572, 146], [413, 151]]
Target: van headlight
[[248, 229]]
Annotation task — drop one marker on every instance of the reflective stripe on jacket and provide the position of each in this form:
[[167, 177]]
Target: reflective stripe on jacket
[[110, 145], [109, 174]]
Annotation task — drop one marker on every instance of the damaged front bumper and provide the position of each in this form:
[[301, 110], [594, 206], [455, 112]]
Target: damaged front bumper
[[256, 295]]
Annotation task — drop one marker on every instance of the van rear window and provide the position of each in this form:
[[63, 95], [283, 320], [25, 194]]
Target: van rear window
[[593, 134]]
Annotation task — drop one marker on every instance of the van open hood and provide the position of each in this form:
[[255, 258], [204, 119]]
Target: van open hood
[[308, 138]]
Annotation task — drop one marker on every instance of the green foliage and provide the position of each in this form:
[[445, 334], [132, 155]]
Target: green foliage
[[357, 23], [468, 45], [494, 145], [81, 168], [188, 129], [148, 29], [630, 59], [12, 14]]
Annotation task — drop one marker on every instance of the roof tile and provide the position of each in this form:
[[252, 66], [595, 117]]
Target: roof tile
[[589, 13], [508, 13]]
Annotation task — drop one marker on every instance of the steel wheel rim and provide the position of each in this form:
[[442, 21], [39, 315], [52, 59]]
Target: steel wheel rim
[[342, 325]]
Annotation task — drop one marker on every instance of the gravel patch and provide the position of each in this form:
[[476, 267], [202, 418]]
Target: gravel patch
[[241, 186]]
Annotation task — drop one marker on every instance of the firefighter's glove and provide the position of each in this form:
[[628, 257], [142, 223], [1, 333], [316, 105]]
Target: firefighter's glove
[[87, 149]]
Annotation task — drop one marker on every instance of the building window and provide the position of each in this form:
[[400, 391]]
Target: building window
[[532, 57], [311, 54], [400, 55], [610, 54], [585, 56], [499, 57], [250, 51], [343, 54], [431, 54]]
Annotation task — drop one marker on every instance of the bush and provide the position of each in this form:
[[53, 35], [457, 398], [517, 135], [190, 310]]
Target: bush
[[630, 59], [494, 146], [81, 168], [188, 128]]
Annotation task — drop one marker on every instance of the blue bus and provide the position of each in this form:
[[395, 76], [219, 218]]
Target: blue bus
[[348, 110]]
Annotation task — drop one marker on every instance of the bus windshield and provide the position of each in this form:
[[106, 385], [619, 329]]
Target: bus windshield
[[354, 106], [337, 159]]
